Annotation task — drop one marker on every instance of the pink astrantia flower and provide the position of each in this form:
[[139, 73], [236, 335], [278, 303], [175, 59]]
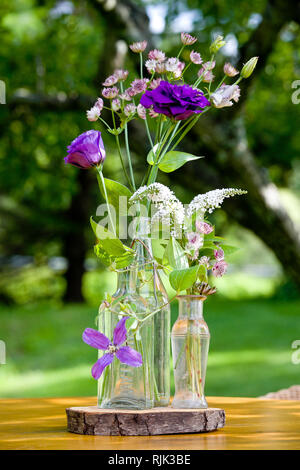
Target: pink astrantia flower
[[121, 74], [139, 85], [209, 65], [155, 54], [125, 354], [152, 113], [229, 70], [207, 75], [129, 109], [187, 39], [116, 104], [195, 58], [151, 65], [160, 67], [155, 83], [194, 240], [179, 70], [99, 103], [203, 227], [141, 111], [219, 268], [138, 46], [224, 95], [110, 93], [172, 64], [93, 114], [125, 95], [110, 81], [219, 254]]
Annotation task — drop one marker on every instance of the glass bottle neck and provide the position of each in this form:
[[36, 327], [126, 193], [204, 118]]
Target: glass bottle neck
[[127, 281], [142, 244], [191, 306]]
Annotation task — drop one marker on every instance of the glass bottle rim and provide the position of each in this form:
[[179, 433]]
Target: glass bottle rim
[[191, 297]]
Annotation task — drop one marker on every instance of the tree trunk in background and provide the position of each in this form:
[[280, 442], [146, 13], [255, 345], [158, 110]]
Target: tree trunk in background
[[74, 242]]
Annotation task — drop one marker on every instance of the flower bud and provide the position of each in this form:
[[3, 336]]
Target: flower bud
[[249, 67], [217, 44]]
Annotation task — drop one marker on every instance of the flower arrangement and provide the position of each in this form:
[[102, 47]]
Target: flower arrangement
[[190, 249]]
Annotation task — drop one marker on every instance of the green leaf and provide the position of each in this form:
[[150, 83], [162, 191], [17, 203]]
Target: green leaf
[[229, 250], [117, 262], [202, 273], [114, 190], [158, 248], [175, 255], [107, 240], [102, 255], [182, 279], [123, 261], [173, 160], [151, 154]]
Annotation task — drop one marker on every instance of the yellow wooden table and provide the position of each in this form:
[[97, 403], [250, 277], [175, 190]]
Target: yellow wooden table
[[251, 423]]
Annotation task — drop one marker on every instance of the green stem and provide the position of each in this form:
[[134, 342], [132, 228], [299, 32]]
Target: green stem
[[189, 127], [179, 53], [129, 157], [141, 64], [148, 131], [119, 149], [106, 197]]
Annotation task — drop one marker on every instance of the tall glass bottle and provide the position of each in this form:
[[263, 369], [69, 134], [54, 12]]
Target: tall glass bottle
[[190, 343], [123, 386], [153, 290]]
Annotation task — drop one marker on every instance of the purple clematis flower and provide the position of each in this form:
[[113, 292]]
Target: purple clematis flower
[[87, 150], [175, 101], [125, 354]]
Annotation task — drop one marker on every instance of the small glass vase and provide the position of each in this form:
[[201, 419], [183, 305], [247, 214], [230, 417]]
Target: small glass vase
[[122, 386], [190, 344]]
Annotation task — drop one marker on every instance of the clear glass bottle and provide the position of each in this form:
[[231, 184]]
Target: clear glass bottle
[[190, 344], [139, 287], [123, 386], [152, 289]]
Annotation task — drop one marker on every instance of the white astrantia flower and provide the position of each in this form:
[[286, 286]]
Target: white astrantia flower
[[211, 200], [224, 95], [168, 209], [93, 113]]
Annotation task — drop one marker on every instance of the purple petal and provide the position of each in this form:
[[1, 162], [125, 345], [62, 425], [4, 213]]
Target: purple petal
[[129, 356], [95, 339], [87, 150], [120, 332], [100, 365]]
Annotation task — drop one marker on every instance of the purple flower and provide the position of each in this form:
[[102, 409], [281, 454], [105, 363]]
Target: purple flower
[[175, 101], [87, 150], [125, 354]]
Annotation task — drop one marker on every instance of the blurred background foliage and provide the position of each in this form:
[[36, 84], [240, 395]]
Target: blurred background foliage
[[54, 56]]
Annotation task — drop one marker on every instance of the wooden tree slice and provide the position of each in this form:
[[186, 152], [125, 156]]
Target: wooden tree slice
[[99, 422]]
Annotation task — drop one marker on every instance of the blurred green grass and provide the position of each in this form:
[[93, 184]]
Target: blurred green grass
[[250, 352]]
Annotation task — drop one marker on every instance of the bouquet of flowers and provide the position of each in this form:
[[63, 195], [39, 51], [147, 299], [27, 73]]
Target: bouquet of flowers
[[184, 242]]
